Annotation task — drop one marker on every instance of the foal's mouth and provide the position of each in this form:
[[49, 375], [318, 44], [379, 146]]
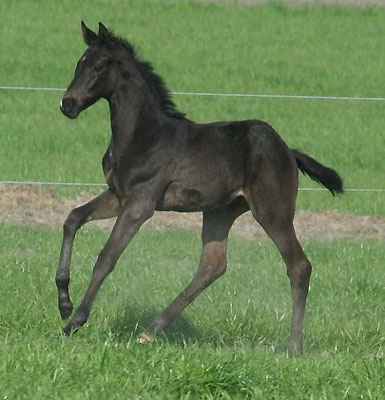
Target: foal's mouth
[[68, 107]]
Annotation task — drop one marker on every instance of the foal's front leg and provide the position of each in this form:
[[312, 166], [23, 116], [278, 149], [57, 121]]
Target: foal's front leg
[[103, 206], [130, 219]]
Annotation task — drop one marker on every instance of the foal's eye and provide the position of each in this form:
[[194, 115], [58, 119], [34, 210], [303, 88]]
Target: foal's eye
[[98, 68]]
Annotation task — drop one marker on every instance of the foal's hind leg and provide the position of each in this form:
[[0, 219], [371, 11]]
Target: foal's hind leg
[[216, 226], [298, 271], [104, 206], [277, 220]]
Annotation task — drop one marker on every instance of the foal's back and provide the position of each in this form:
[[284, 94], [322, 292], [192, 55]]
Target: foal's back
[[212, 164]]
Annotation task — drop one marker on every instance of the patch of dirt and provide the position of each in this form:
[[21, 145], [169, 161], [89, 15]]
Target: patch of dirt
[[39, 206]]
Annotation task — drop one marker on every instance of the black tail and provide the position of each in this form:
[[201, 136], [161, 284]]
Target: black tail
[[325, 176]]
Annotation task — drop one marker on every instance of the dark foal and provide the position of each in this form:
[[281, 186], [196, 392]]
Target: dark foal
[[159, 160]]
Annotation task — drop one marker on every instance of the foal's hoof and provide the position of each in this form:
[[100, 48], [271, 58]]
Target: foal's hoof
[[68, 330], [79, 319], [294, 351], [71, 328], [144, 339], [66, 311]]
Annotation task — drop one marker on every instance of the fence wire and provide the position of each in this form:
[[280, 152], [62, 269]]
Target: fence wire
[[184, 93], [213, 94], [95, 184]]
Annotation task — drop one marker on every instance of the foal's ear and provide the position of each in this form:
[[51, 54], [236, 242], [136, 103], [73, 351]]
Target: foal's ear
[[88, 35], [103, 32]]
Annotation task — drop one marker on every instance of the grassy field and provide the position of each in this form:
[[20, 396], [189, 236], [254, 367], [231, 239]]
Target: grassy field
[[229, 344], [320, 50]]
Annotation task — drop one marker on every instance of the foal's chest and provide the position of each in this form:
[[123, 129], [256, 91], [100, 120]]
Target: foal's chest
[[111, 162]]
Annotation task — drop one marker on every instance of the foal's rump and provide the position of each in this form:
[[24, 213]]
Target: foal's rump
[[268, 147]]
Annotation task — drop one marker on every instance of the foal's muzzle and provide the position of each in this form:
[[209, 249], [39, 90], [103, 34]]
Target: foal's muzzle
[[69, 107]]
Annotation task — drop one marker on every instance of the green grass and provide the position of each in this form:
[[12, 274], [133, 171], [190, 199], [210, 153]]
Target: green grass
[[230, 343], [322, 50]]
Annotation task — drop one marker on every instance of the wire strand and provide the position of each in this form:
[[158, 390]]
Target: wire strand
[[43, 183], [213, 94], [279, 96]]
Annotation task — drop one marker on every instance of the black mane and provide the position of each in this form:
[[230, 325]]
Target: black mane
[[154, 81]]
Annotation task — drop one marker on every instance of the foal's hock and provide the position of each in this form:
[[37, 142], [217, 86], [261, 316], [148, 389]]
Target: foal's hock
[[157, 159]]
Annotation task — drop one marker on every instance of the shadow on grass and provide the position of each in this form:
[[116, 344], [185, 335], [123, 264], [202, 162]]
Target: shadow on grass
[[135, 319]]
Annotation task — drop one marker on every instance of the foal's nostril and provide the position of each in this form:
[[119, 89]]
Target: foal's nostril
[[66, 104]]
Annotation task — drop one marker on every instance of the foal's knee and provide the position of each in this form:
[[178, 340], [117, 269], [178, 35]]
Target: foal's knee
[[74, 221]]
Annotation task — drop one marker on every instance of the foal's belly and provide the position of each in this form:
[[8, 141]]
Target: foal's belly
[[190, 198]]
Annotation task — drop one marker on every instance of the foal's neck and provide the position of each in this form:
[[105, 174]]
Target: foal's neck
[[131, 112]]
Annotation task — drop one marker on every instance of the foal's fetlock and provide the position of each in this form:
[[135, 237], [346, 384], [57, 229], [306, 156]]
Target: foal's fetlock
[[65, 309]]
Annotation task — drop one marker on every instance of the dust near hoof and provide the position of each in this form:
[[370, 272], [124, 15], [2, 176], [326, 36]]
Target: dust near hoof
[[144, 339], [36, 205]]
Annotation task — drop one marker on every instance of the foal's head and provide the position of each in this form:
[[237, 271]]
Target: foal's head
[[98, 71], [110, 62]]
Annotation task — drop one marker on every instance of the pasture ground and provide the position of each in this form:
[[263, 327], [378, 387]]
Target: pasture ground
[[37, 206], [230, 343]]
